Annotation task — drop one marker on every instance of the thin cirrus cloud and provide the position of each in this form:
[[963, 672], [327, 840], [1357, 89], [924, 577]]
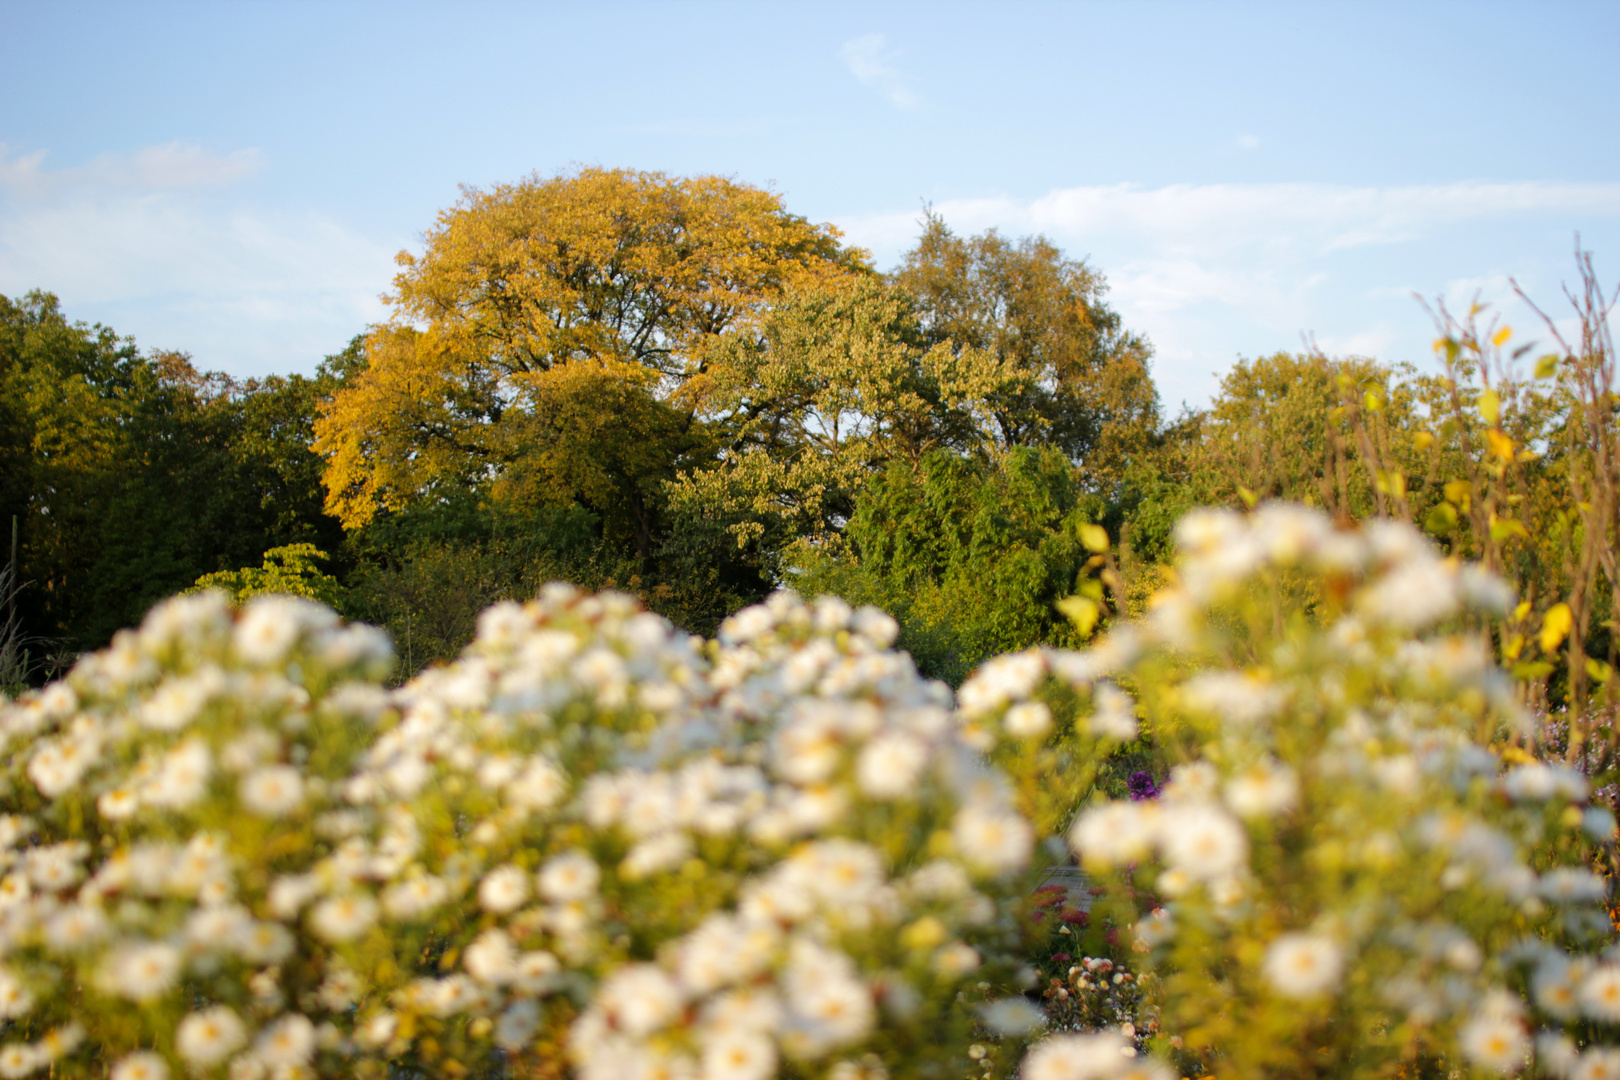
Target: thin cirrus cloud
[[1213, 271], [873, 65], [157, 244]]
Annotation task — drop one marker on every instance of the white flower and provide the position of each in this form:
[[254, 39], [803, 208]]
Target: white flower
[[1600, 993], [1557, 1056], [1027, 720], [274, 791], [517, 1024], [1264, 790], [1114, 715], [536, 972], [144, 972], [1076, 1057], [176, 702], [1013, 1016], [343, 918], [414, 898], [1595, 1063], [732, 1053], [1236, 698], [1203, 841], [75, 927], [1115, 833], [538, 786], [1494, 1040], [503, 889], [265, 943], [1303, 965], [289, 1041], [1572, 885], [142, 1065], [655, 855], [18, 1060], [993, 839], [15, 1001], [640, 998], [490, 958], [182, 778], [271, 624], [572, 875], [889, 765], [1556, 986], [206, 1038]]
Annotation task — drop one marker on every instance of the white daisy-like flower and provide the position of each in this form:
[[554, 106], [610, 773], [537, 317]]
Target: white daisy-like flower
[[1263, 790], [142, 1065], [572, 875], [993, 839], [1600, 993], [145, 971], [206, 1038], [889, 766], [1203, 841], [1027, 720], [1013, 1016], [289, 1041], [1494, 1040], [414, 898], [1076, 1057], [15, 1000], [732, 1053], [490, 958], [1303, 965], [1115, 833], [273, 791], [343, 918], [18, 1060], [641, 998], [517, 1024], [503, 889]]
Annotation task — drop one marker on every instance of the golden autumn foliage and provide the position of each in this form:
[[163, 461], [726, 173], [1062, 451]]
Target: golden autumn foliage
[[541, 342]]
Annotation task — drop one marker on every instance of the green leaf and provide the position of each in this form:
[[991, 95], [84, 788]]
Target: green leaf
[[1442, 518], [1547, 366]]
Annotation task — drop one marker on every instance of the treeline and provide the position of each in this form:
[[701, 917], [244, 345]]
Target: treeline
[[677, 388]]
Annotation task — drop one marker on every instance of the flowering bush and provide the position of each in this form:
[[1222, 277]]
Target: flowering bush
[[1350, 882], [591, 839], [596, 845]]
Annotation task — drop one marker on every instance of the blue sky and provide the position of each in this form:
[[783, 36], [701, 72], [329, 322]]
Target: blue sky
[[233, 179]]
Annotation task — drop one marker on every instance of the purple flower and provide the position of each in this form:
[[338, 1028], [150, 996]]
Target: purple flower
[[1141, 785]]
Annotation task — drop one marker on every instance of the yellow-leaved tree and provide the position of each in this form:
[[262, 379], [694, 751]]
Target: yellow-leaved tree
[[539, 346]]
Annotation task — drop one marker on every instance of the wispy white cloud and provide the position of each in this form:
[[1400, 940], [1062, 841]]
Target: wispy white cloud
[[870, 62], [155, 243], [1209, 271], [171, 166]]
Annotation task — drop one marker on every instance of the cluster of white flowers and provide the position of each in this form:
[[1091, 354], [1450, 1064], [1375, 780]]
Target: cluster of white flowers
[[777, 846], [1337, 806], [167, 782]]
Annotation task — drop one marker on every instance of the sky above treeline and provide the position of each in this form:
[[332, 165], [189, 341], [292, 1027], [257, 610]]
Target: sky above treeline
[[234, 179]]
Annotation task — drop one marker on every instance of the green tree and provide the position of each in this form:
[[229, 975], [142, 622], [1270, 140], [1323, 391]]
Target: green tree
[[973, 555], [1084, 386]]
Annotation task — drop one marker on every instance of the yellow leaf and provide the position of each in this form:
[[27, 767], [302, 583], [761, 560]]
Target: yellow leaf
[[1598, 670], [1513, 646], [1082, 611], [1546, 366], [1095, 537], [1371, 402], [1500, 444], [1249, 498], [1490, 406], [1555, 626], [1457, 491], [1422, 441], [1501, 336], [1502, 528], [1521, 611]]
